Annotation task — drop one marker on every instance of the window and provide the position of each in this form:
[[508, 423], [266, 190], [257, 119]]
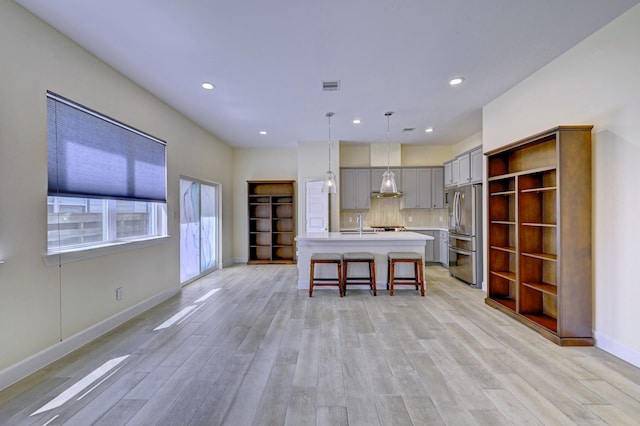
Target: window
[[107, 181]]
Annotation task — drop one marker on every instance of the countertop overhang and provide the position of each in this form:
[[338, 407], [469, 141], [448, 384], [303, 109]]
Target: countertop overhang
[[367, 238]]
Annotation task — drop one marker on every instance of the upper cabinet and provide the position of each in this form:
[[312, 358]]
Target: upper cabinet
[[437, 188], [448, 175], [417, 188], [455, 171], [423, 188], [466, 168], [355, 189], [475, 165]]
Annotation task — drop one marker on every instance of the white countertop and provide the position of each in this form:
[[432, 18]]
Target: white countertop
[[425, 228], [408, 228], [371, 237]]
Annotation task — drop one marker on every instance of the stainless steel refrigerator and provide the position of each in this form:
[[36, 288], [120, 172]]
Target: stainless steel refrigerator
[[465, 233]]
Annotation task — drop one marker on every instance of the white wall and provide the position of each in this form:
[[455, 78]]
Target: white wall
[[44, 307], [359, 155], [426, 155], [468, 143], [256, 164], [313, 162], [355, 155], [596, 82]]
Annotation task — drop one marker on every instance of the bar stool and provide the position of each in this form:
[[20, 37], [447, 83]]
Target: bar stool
[[362, 257], [333, 258], [405, 257]]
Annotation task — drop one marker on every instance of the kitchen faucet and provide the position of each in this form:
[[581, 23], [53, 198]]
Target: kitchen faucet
[[360, 222]]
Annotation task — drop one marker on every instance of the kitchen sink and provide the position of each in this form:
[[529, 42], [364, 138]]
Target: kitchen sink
[[355, 231]]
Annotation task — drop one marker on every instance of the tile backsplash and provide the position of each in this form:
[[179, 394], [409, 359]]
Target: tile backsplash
[[386, 212]]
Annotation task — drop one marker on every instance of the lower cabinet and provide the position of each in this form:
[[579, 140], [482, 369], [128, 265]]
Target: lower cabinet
[[432, 250], [429, 252], [444, 248]]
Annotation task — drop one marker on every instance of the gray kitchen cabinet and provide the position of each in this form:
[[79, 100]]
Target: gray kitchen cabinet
[[448, 177], [475, 165], [423, 188], [437, 188], [444, 248], [436, 246], [432, 248], [376, 177], [417, 188], [429, 251], [355, 189], [455, 171], [463, 169]]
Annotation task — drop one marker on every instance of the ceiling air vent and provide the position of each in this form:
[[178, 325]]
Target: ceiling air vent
[[408, 129], [331, 85]]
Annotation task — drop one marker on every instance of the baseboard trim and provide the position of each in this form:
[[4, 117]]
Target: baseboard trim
[[236, 260], [30, 365], [622, 351]]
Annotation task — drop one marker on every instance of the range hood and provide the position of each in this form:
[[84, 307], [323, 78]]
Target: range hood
[[383, 155], [377, 194]]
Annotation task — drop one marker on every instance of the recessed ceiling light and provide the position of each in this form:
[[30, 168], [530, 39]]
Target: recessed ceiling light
[[208, 86], [356, 121], [456, 81], [263, 132], [429, 129]]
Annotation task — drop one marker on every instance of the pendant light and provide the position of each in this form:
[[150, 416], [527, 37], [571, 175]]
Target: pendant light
[[329, 185], [388, 185]]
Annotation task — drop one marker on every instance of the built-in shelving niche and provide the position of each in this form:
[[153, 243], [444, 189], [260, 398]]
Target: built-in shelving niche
[[539, 244], [271, 221]]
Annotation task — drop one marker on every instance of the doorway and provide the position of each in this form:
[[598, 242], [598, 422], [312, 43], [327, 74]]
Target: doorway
[[199, 228]]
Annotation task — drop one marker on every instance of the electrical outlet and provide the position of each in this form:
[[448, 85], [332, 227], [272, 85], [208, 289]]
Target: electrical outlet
[[350, 219], [119, 293], [410, 219], [441, 219]]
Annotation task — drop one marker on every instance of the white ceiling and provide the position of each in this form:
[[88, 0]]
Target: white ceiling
[[268, 59]]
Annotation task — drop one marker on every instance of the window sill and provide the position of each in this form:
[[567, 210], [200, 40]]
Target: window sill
[[60, 258]]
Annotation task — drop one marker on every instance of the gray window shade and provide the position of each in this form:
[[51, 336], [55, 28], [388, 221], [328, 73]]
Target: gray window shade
[[90, 155]]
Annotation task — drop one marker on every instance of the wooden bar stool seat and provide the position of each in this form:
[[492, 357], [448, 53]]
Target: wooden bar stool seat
[[418, 274], [360, 257], [330, 258]]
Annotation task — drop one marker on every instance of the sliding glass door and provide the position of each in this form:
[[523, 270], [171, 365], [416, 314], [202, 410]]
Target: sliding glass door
[[199, 223]]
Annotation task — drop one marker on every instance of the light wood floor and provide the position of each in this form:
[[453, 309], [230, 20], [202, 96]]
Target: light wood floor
[[259, 351]]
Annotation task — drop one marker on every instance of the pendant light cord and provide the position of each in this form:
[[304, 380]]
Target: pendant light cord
[[329, 114], [388, 114]]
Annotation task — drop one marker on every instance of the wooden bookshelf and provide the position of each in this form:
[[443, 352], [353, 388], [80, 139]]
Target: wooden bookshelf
[[539, 222], [271, 221]]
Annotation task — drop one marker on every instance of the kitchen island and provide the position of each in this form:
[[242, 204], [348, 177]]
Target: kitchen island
[[378, 243]]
